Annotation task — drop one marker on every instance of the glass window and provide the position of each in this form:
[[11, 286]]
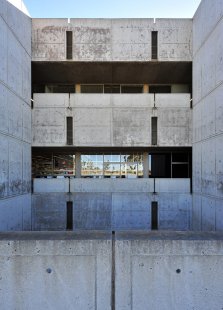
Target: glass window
[[53, 165], [91, 165], [112, 158], [112, 165], [63, 164], [112, 170]]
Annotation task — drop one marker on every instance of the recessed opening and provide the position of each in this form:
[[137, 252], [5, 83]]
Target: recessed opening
[[154, 35], [69, 47], [154, 215], [154, 130], [69, 225], [69, 130], [160, 89]]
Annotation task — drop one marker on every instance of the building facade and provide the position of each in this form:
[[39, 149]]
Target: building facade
[[115, 121]]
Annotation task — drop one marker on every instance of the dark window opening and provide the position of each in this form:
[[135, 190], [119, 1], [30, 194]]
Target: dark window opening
[[160, 166], [154, 44], [69, 130], [154, 130], [112, 89], [38, 88], [180, 171], [60, 88], [170, 165], [69, 41], [131, 89], [91, 89], [160, 89], [69, 225], [154, 215]]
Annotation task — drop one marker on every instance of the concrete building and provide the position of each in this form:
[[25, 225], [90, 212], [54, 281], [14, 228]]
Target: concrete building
[[114, 121]]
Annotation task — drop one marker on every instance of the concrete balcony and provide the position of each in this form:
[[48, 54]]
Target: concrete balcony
[[112, 120]]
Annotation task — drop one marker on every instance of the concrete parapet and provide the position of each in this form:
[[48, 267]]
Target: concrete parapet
[[97, 270]]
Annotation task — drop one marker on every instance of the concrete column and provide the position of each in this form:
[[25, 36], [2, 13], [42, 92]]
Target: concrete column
[[77, 165], [77, 88], [145, 88], [145, 165]]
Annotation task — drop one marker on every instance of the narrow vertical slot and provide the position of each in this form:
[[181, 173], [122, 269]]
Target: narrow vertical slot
[[154, 215], [69, 130], [69, 225], [69, 46], [154, 37], [154, 130]]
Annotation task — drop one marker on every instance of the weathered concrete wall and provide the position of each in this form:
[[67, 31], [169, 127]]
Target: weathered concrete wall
[[112, 120], [15, 118], [112, 39], [111, 204], [168, 271], [208, 116], [76, 271]]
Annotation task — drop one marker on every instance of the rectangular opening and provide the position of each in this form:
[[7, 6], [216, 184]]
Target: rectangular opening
[[69, 42], [160, 89], [112, 89], [154, 215], [154, 130], [69, 215], [160, 166], [154, 44], [131, 89], [60, 88], [69, 130], [92, 89]]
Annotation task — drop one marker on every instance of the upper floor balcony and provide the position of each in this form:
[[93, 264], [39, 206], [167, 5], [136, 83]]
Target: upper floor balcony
[[112, 120]]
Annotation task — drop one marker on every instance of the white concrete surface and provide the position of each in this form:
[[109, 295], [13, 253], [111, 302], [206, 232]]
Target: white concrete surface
[[56, 274], [159, 270], [15, 117], [111, 204], [112, 120], [164, 185], [112, 39], [167, 274], [207, 116]]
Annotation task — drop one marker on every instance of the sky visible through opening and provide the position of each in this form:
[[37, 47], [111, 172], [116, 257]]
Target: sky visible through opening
[[112, 8]]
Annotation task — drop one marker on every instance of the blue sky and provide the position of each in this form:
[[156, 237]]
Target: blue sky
[[112, 8]]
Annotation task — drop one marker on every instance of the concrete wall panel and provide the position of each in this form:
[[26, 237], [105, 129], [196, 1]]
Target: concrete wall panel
[[92, 211], [15, 117], [15, 213], [112, 39], [4, 164], [15, 111], [4, 126], [49, 211], [72, 273], [3, 51], [130, 210], [207, 120], [15, 167]]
